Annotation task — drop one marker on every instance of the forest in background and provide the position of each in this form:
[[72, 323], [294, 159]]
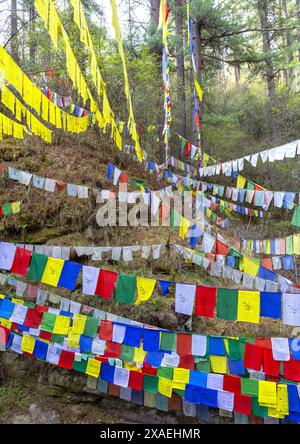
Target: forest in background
[[247, 54]]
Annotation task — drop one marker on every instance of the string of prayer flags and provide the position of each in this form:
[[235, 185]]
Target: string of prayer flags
[[247, 306], [36, 100], [131, 121], [287, 151]]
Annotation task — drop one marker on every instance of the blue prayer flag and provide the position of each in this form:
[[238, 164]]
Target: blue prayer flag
[[270, 305], [69, 275]]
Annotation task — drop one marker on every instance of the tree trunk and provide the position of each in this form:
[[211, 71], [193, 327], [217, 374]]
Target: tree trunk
[[198, 62], [262, 6], [288, 36], [14, 31], [154, 5], [298, 24], [181, 105], [32, 39]]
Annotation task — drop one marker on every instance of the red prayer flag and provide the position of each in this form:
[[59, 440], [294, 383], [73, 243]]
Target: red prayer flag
[[267, 263], [4, 334], [187, 361], [123, 178], [232, 384], [106, 283], [205, 301], [271, 367], [136, 380], [113, 350], [242, 404], [175, 403], [221, 248], [149, 370], [33, 318], [106, 330], [21, 261], [45, 335], [66, 359], [253, 357], [114, 390], [291, 370], [184, 344]]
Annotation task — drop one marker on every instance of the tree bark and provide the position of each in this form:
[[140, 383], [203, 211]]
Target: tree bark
[[14, 30], [298, 32], [262, 6], [181, 100], [32, 40], [288, 36], [154, 6], [199, 68]]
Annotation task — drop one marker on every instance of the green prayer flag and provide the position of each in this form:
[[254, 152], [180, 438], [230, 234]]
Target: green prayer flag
[[167, 341], [234, 350], [7, 209], [296, 217], [213, 217], [162, 402], [48, 322], [235, 253], [126, 287], [91, 327], [289, 245], [227, 302], [165, 372], [175, 218], [149, 399], [250, 185], [102, 386], [203, 366], [150, 383], [257, 409], [178, 392], [37, 266], [249, 387], [59, 339], [80, 366], [127, 353], [29, 304], [240, 418]]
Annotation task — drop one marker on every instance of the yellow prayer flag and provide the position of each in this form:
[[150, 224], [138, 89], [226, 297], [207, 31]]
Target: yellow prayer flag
[[181, 377], [267, 393], [52, 271], [145, 288], [241, 182], [282, 405], [15, 206], [17, 301], [27, 344], [248, 306], [93, 368], [133, 367], [218, 364], [62, 325], [250, 266], [184, 226], [165, 387], [73, 339], [79, 321], [5, 323], [139, 355], [296, 244]]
